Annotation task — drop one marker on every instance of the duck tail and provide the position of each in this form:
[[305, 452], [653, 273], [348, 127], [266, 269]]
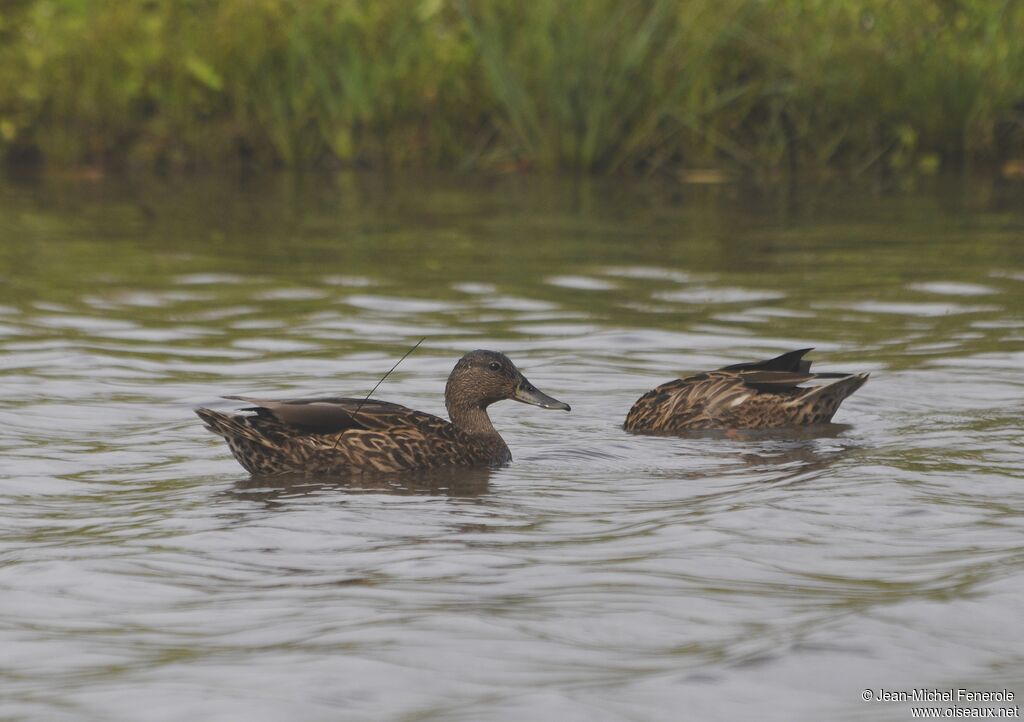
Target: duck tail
[[840, 389], [230, 427], [822, 402]]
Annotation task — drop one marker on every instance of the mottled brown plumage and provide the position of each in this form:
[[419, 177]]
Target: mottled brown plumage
[[758, 395], [341, 435]]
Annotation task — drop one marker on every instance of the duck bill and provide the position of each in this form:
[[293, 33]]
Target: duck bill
[[530, 394]]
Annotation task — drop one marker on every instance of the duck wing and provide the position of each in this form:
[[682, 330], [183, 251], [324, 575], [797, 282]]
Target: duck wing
[[768, 381], [713, 399], [331, 414]]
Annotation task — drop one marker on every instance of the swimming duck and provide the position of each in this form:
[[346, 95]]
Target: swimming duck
[[757, 395], [339, 435]]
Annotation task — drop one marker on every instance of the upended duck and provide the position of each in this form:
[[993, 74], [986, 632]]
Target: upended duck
[[340, 435], [757, 395]]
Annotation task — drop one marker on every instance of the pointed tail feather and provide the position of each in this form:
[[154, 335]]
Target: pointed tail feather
[[837, 390], [820, 403], [230, 427]]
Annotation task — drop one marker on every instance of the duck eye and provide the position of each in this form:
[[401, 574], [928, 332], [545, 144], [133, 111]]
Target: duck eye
[[494, 366]]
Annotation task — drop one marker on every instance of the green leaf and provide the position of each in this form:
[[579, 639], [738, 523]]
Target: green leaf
[[204, 73]]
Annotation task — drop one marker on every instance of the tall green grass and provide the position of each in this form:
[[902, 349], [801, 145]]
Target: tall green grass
[[602, 85]]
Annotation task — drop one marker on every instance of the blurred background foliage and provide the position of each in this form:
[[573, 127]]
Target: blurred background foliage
[[755, 86]]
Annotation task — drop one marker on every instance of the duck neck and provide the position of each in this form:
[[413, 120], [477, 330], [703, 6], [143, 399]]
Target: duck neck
[[472, 419]]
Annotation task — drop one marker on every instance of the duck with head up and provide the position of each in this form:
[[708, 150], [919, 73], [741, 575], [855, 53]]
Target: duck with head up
[[343, 435]]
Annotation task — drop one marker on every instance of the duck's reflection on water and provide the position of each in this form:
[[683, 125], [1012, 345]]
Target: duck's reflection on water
[[783, 434], [795, 455], [766, 455], [450, 481]]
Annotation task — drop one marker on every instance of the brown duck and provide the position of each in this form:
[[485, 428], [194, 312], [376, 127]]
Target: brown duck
[[340, 435], [757, 395]]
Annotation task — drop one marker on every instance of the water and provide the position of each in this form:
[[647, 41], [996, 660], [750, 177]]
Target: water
[[601, 576]]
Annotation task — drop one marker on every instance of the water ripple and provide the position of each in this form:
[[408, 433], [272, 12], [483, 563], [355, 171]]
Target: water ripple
[[600, 576]]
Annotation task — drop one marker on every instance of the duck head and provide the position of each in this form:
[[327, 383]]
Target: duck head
[[481, 378]]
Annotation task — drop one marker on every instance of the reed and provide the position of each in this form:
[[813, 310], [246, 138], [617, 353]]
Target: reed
[[601, 86]]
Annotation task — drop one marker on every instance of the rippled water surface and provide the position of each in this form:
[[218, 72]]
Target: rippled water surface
[[601, 576]]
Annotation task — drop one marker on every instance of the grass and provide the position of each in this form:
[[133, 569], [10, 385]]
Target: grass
[[602, 86]]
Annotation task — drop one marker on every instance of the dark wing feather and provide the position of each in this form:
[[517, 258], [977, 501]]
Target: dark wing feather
[[791, 361], [772, 381], [330, 415]]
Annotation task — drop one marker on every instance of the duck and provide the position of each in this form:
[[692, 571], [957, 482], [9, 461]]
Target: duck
[[331, 435], [755, 395]]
